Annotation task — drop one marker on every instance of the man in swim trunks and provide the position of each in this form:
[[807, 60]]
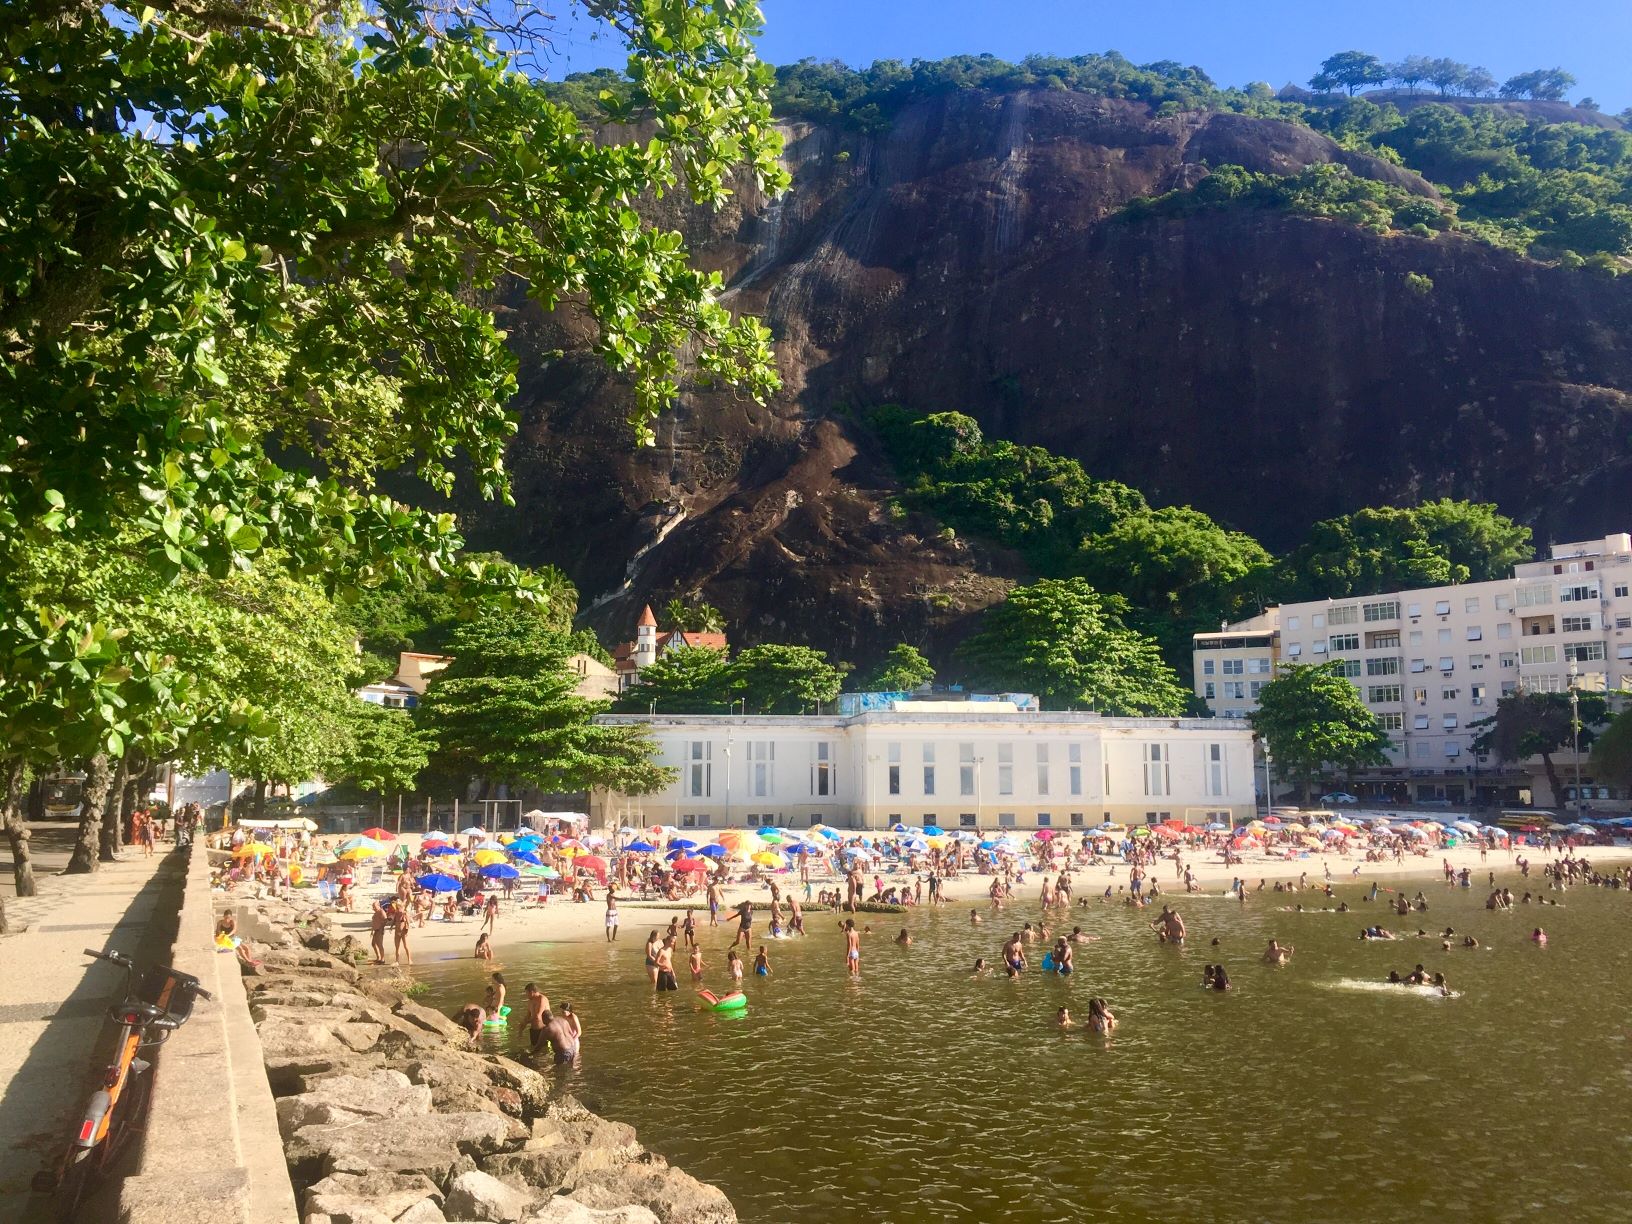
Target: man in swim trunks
[[713, 903], [852, 948], [665, 965], [1014, 953], [558, 1031], [1169, 925]]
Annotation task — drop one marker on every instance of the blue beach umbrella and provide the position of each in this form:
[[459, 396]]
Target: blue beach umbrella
[[830, 834], [713, 851], [437, 882], [440, 850], [1215, 827], [528, 857], [640, 847], [768, 831], [898, 827], [500, 871], [933, 831], [682, 843]]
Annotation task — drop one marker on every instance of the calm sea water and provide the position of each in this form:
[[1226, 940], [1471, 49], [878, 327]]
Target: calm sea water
[[1308, 1093]]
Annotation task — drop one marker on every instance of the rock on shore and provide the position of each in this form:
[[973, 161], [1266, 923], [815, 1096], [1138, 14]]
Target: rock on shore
[[388, 1117]]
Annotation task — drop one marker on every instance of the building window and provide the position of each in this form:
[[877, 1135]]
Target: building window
[[1419, 665], [821, 769], [1345, 641], [1452, 748], [1206, 667], [1292, 622], [1044, 819], [1294, 650], [1076, 779], [1005, 820], [1391, 720], [1077, 820], [1383, 641], [1575, 624], [1217, 775], [1383, 667], [1508, 658], [895, 779], [929, 779], [1621, 591], [1420, 722], [1584, 652], [1258, 667], [1416, 637], [1255, 688], [1383, 694], [1388, 609], [1343, 616], [700, 775], [966, 769], [1156, 769], [1413, 610], [1422, 749], [1236, 689], [1475, 633], [1477, 692], [1577, 594], [1420, 696], [1446, 663], [966, 820], [1042, 769], [1234, 667], [1348, 668], [1444, 635], [1476, 662], [1448, 722], [761, 761], [1536, 596], [1442, 607], [1005, 769], [1532, 655], [1317, 621], [1504, 630]]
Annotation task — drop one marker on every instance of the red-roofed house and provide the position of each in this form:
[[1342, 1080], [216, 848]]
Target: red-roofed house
[[651, 643]]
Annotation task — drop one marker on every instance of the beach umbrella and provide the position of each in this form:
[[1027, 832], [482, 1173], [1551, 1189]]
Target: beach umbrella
[[1467, 826], [829, 834], [986, 845], [526, 856], [594, 863], [1045, 834], [682, 843], [769, 858], [768, 831], [379, 834], [640, 847], [500, 871], [690, 864], [440, 849], [916, 845], [1330, 834], [713, 851], [354, 843], [898, 827], [437, 882], [1272, 820], [490, 844], [484, 857], [472, 831], [252, 850], [932, 831], [542, 871], [1142, 831], [594, 839], [1215, 827]]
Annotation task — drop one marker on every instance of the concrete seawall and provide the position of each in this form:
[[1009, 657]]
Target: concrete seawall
[[212, 1151]]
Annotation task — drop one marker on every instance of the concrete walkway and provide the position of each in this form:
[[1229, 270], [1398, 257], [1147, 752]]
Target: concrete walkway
[[53, 999]]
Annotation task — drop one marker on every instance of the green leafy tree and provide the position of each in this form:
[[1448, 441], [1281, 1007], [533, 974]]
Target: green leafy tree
[[1447, 75], [775, 679], [1612, 751], [506, 710], [1476, 82], [1412, 71], [1540, 724], [683, 680], [903, 670], [270, 228], [1388, 548], [1546, 84], [1180, 571], [1313, 719], [385, 752], [1350, 70], [1066, 642], [693, 618]]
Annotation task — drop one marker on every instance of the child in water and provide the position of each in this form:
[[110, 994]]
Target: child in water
[[733, 962], [695, 959], [762, 963]]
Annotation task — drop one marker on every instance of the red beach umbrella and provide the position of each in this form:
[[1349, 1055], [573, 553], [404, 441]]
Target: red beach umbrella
[[379, 834], [687, 864]]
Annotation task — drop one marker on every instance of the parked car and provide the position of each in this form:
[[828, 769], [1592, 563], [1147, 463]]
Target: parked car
[[1338, 797]]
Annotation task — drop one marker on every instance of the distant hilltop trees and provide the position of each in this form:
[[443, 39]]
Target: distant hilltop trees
[[1352, 71]]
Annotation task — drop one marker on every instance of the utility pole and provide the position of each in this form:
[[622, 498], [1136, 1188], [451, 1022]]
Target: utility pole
[[1575, 736]]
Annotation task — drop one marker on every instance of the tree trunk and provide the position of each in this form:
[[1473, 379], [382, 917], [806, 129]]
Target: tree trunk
[[1553, 779], [95, 798], [257, 808], [36, 796], [16, 830], [111, 836]]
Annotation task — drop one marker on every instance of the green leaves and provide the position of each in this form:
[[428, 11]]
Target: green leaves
[[1313, 718]]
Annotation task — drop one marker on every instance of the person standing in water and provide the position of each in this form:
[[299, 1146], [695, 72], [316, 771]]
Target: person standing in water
[[537, 1008], [745, 925], [653, 941], [377, 916], [1277, 955], [665, 966], [1169, 927], [852, 948], [611, 913], [399, 931]]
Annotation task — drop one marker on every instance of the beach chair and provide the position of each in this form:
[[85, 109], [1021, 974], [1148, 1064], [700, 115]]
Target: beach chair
[[325, 890], [379, 874]]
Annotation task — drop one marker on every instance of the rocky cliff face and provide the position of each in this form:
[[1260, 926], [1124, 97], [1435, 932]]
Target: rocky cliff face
[[1267, 368]]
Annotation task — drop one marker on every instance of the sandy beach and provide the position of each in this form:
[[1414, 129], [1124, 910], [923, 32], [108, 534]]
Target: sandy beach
[[521, 920]]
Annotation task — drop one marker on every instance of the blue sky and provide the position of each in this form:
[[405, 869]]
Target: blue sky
[[1235, 41]]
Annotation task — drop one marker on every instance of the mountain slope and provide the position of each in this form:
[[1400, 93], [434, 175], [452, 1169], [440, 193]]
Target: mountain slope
[[1266, 367]]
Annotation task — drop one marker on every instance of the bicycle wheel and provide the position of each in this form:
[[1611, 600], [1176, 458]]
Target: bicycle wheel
[[85, 1171]]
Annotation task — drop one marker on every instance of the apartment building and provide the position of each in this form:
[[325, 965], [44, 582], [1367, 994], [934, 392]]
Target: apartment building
[[1234, 664], [952, 764], [1432, 662]]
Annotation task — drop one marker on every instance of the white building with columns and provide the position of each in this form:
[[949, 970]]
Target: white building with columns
[[952, 764]]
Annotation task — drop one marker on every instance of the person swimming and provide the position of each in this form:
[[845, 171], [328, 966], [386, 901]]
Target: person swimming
[[1221, 979], [1538, 936], [1101, 1019], [980, 967], [1062, 1019], [762, 963], [904, 939], [1275, 954]]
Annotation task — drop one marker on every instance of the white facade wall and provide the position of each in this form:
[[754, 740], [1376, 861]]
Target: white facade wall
[[1233, 665], [976, 770]]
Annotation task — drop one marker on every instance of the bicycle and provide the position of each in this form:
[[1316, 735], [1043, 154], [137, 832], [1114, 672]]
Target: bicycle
[[146, 1017]]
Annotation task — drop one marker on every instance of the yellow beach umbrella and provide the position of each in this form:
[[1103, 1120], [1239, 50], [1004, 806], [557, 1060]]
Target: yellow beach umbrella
[[1294, 828], [359, 852], [484, 857], [769, 858], [742, 841], [252, 850]]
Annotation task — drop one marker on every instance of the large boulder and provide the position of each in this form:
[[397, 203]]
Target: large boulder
[[564, 1209], [436, 1145], [342, 1194], [674, 1197], [351, 1098], [480, 1196]]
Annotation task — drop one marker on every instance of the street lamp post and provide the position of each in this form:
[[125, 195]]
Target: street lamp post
[[1269, 782], [1575, 737]]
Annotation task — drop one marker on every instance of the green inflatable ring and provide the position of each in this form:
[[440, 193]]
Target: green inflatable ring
[[734, 1001]]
